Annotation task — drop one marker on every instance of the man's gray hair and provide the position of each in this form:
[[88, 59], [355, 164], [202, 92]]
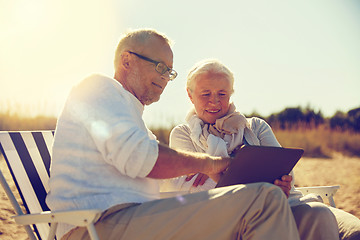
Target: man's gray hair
[[208, 66], [134, 39]]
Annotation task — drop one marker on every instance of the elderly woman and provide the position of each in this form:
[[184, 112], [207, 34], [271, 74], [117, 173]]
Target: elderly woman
[[215, 127]]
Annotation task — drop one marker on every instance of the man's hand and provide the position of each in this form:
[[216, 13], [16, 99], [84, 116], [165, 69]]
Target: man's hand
[[284, 184], [213, 168], [200, 179], [218, 167]]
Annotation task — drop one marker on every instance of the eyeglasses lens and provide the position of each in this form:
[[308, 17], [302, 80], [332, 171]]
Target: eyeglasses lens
[[161, 68]]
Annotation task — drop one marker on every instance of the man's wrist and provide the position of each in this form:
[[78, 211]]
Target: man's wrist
[[208, 164]]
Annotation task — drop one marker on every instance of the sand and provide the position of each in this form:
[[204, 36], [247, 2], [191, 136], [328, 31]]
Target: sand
[[339, 170]]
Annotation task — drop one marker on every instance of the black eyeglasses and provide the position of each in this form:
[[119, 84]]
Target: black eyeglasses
[[159, 66]]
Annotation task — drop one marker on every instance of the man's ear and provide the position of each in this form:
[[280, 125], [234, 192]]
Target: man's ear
[[125, 60], [189, 94]]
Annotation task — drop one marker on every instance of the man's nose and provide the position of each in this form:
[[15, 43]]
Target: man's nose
[[166, 76]]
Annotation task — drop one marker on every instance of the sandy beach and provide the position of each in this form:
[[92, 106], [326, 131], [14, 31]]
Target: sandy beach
[[339, 170]]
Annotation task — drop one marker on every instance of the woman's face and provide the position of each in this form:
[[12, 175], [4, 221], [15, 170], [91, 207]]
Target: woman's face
[[211, 96]]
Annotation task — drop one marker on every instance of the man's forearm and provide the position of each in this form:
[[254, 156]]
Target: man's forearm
[[171, 163]]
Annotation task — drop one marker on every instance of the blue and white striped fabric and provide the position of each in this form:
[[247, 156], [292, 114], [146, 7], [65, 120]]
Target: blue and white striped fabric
[[27, 155]]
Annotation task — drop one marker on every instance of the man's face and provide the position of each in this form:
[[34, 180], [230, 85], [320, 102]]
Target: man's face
[[145, 82], [211, 96]]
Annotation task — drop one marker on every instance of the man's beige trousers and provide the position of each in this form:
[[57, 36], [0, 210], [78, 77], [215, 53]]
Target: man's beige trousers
[[253, 211]]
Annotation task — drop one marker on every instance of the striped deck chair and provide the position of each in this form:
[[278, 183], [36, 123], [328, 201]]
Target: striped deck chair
[[27, 155]]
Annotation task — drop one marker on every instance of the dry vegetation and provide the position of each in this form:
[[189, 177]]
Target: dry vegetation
[[320, 142], [14, 122]]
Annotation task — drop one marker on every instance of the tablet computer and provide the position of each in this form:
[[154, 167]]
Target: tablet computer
[[260, 164]]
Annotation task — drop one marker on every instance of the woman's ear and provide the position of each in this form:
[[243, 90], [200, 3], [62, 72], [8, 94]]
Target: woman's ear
[[189, 94]]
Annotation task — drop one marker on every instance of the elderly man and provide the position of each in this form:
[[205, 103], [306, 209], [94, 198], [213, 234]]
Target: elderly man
[[104, 157]]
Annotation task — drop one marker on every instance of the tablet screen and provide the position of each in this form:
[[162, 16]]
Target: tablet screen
[[260, 164]]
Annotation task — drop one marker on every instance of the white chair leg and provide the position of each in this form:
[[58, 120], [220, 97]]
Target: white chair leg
[[331, 201], [52, 231], [92, 232]]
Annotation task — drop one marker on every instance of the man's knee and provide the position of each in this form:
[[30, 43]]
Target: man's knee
[[259, 187], [269, 189], [315, 214], [321, 211], [261, 190]]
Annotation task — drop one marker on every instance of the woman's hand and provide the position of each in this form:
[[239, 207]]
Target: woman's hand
[[285, 184], [200, 179]]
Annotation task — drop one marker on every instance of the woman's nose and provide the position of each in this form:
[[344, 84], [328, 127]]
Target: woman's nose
[[214, 99]]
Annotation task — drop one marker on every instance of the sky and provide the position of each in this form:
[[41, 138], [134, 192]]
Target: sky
[[283, 53]]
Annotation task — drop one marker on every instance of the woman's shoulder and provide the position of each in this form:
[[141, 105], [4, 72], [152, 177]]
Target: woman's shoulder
[[258, 125], [180, 138], [256, 121], [180, 129]]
